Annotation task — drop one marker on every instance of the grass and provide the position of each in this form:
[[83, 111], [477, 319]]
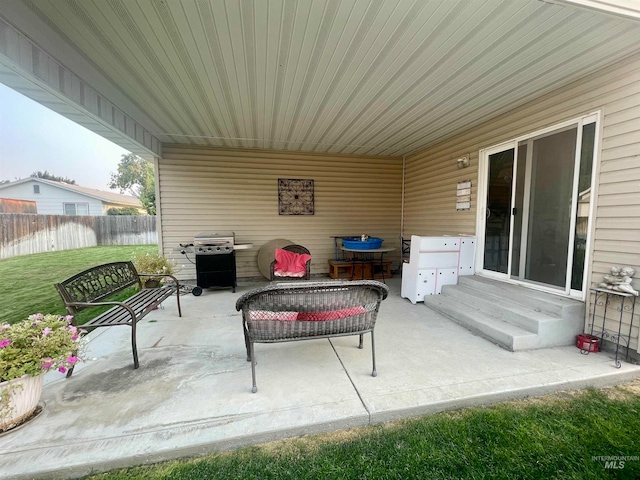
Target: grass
[[555, 437], [26, 282]]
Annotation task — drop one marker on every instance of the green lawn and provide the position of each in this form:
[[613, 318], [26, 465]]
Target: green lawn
[[555, 437], [26, 282]]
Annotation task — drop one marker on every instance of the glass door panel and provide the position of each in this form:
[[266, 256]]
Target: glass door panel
[[584, 202], [546, 223], [497, 222], [518, 208]]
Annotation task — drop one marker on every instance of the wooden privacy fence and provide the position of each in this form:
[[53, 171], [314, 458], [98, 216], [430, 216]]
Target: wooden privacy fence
[[23, 234]]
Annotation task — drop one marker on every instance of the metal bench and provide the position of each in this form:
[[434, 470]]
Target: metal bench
[[289, 311], [93, 286]]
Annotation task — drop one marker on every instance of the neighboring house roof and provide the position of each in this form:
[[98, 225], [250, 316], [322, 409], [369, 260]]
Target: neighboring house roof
[[107, 197]]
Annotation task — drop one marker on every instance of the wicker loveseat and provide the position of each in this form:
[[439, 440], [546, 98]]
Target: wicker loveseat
[[289, 311]]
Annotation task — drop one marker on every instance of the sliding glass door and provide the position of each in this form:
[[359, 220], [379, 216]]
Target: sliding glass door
[[537, 204]]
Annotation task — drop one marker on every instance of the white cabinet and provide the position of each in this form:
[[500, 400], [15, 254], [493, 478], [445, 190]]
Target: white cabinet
[[434, 262]]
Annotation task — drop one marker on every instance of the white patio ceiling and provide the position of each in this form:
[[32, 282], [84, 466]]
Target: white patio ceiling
[[370, 77]]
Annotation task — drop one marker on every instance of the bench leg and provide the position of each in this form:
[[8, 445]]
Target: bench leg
[[134, 348], [254, 389], [178, 299], [246, 342], [373, 354], [361, 340]]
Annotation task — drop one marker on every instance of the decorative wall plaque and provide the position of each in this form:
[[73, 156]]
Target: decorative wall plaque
[[295, 196], [463, 195]]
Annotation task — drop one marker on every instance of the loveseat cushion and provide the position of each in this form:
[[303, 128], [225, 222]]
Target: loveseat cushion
[[331, 314], [268, 315]]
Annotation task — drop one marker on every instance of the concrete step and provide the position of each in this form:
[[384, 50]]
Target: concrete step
[[509, 314], [535, 299], [499, 307], [507, 335]]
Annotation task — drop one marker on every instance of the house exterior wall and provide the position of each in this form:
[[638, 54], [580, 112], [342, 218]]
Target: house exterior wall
[[51, 200], [214, 190], [431, 176]]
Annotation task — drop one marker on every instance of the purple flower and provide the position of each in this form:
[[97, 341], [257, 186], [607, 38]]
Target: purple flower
[[4, 342], [62, 369], [72, 359], [46, 331], [47, 363]]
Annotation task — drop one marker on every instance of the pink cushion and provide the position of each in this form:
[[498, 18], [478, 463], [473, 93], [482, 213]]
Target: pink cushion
[[290, 264], [331, 314], [267, 315]]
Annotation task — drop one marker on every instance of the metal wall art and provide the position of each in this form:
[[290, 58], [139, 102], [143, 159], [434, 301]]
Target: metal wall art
[[295, 196]]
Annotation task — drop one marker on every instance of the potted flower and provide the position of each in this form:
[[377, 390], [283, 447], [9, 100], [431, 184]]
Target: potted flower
[[28, 349], [153, 263]]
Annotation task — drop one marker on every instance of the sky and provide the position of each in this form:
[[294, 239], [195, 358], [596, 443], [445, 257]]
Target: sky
[[33, 138]]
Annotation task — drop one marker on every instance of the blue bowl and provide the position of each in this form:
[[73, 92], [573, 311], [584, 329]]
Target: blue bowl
[[356, 243]]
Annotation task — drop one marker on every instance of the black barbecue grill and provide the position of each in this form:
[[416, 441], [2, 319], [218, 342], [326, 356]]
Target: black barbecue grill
[[215, 259]]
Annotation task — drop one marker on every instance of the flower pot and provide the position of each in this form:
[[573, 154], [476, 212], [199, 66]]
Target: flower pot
[[588, 343], [18, 400]]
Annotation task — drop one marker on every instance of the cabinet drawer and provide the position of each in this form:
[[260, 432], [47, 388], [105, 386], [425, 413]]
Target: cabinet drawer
[[438, 260], [439, 244], [425, 284]]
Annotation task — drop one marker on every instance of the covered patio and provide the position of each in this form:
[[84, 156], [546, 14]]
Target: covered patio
[[192, 392]]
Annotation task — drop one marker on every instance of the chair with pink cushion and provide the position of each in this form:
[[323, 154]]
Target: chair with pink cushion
[[292, 262]]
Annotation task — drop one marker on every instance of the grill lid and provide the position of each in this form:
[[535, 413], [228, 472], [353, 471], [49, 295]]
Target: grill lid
[[206, 238]]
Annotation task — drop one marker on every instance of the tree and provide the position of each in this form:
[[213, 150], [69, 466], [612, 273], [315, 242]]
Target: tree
[[49, 176], [135, 177]]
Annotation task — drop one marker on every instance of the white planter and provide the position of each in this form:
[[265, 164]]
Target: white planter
[[18, 400]]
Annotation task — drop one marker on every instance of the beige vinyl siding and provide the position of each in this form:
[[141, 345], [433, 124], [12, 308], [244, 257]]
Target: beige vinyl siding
[[431, 176], [214, 190]]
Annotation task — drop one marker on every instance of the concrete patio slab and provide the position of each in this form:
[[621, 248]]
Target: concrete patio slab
[[192, 392]]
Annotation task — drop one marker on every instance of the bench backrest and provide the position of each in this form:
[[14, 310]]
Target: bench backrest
[[315, 297], [97, 283]]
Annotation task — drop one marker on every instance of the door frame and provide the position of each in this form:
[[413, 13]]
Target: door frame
[[483, 165]]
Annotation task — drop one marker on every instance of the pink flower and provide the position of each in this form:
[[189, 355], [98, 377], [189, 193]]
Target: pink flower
[[47, 363], [46, 331], [74, 336], [62, 369], [4, 342], [5, 326], [72, 359]]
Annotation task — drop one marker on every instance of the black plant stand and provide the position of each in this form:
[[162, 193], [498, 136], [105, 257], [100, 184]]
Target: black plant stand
[[605, 299]]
